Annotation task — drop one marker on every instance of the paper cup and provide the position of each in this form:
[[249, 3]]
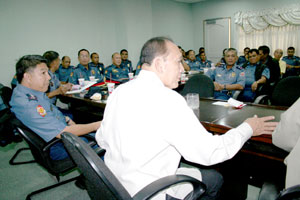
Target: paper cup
[[81, 82], [130, 75], [92, 78], [110, 87]]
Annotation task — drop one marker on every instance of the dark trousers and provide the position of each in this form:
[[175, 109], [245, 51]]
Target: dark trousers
[[213, 181]]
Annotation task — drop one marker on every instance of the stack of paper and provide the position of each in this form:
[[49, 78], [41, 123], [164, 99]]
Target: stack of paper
[[82, 88]]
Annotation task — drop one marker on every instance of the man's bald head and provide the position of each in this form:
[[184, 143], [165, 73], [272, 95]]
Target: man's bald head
[[116, 59], [153, 48], [278, 54]]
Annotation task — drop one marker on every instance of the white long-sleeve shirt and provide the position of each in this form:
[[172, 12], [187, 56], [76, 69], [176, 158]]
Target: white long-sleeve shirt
[[147, 127]]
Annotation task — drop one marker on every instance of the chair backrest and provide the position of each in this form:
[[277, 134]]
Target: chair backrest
[[5, 93], [101, 182], [200, 84], [286, 92], [40, 151]]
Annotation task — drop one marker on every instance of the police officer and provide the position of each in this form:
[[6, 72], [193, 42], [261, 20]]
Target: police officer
[[84, 69], [292, 63], [227, 78], [32, 107], [243, 59], [204, 63], [55, 88], [14, 82], [256, 74], [192, 62], [125, 61], [64, 71], [95, 63], [138, 68], [116, 71]]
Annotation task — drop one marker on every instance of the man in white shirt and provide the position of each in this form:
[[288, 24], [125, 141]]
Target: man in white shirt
[[147, 127]]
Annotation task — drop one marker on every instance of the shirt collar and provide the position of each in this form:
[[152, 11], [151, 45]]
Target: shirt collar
[[31, 91], [150, 77]]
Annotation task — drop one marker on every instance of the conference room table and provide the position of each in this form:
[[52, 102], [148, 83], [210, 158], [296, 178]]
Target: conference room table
[[216, 119]]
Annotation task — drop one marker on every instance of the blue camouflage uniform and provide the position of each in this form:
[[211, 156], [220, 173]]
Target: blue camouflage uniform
[[194, 65], [295, 61], [14, 82], [115, 73], [138, 68], [81, 72], [54, 83], [205, 64], [222, 75], [35, 111], [100, 66], [128, 64], [63, 74], [242, 60], [248, 94]]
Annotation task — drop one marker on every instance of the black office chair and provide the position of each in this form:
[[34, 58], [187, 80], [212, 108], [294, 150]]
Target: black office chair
[[200, 84], [285, 93], [270, 191], [40, 151], [101, 182], [291, 193]]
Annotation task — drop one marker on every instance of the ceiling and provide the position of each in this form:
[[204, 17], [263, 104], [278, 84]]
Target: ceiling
[[189, 1]]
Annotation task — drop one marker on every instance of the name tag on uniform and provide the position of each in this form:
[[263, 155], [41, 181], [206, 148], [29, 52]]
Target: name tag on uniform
[[219, 75]]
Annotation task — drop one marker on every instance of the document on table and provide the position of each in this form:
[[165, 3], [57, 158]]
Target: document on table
[[231, 102], [81, 89]]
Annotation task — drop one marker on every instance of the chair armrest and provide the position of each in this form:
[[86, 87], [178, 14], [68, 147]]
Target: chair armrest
[[236, 94], [289, 193], [50, 144], [260, 98], [163, 183]]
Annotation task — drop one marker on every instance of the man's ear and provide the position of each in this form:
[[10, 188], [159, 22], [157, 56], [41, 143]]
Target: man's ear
[[26, 77], [159, 64]]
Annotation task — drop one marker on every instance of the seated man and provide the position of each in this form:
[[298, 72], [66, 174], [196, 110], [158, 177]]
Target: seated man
[[256, 74], [95, 63], [204, 63], [84, 70], [64, 71], [138, 68], [271, 63], [282, 64], [292, 63], [14, 82], [243, 59], [192, 62], [227, 78], [125, 61], [32, 107], [116, 71], [55, 88], [201, 49], [147, 127]]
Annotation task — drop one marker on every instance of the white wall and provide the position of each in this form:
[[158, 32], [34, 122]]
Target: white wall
[[106, 26], [103, 26], [227, 8]]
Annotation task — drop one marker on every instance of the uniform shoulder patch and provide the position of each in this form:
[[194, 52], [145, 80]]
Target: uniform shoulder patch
[[31, 97], [41, 110]]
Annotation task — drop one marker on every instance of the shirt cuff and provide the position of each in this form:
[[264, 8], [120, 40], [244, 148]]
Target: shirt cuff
[[245, 131]]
